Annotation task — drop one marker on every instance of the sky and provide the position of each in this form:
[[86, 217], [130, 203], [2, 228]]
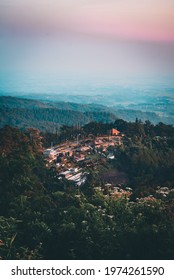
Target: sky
[[44, 43]]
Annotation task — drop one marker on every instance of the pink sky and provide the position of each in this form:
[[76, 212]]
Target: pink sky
[[126, 19], [87, 38]]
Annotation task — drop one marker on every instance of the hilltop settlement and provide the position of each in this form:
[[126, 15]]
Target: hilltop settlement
[[73, 159]]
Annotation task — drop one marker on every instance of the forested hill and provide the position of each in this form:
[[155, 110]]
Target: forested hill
[[49, 116], [15, 102], [42, 217]]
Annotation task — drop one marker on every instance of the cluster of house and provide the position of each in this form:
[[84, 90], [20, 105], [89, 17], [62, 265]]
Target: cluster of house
[[72, 158], [74, 174]]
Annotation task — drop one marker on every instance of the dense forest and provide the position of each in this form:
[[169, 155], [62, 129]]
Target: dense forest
[[47, 119], [50, 116], [42, 217]]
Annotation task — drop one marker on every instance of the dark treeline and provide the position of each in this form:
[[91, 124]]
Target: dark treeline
[[49, 119], [50, 116], [134, 130], [45, 218]]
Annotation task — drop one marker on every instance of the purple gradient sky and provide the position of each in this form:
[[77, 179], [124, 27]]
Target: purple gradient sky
[[126, 19], [81, 39]]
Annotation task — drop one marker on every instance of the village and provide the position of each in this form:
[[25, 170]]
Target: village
[[74, 159]]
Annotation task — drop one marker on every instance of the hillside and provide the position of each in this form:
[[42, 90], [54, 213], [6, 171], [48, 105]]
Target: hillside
[[24, 113], [14, 102], [49, 115], [43, 217]]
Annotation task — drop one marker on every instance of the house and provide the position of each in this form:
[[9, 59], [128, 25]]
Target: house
[[110, 156], [50, 153], [115, 132]]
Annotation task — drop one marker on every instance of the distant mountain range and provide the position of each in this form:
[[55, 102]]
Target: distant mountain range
[[48, 115]]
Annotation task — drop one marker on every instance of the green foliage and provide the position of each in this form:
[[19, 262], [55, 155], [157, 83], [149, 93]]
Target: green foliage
[[45, 218], [49, 117]]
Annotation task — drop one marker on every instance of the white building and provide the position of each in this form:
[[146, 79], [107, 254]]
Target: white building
[[50, 153]]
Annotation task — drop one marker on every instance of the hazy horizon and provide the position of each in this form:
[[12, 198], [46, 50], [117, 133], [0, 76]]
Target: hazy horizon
[[54, 46]]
